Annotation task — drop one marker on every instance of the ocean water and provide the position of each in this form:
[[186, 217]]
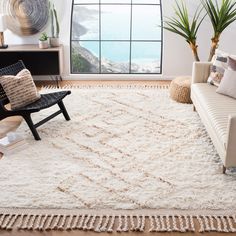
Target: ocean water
[[120, 51], [144, 30]]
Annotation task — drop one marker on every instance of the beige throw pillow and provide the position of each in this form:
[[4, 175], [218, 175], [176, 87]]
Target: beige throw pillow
[[20, 89], [228, 84]]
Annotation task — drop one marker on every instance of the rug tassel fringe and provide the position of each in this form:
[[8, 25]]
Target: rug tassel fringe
[[120, 223], [74, 86]]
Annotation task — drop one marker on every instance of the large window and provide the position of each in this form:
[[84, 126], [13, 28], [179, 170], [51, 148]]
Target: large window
[[116, 37]]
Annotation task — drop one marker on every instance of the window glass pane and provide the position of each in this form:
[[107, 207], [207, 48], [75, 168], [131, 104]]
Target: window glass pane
[[115, 1], [85, 57], [116, 36], [146, 1], [148, 29], [115, 57], [146, 57], [85, 25], [86, 1], [115, 22]]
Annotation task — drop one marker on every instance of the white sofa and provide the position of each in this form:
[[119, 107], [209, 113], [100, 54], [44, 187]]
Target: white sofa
[[217, 112]]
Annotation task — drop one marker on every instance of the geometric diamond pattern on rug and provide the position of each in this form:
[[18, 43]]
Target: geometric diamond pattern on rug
[[122, 149]]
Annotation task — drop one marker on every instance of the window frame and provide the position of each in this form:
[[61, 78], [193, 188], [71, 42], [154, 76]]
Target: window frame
[[130, 41]]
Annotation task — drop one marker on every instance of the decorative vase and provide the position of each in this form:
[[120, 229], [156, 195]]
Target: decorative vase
[[43, 44], [54, 42]]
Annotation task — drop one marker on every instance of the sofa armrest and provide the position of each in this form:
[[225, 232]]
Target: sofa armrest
[[230, 160], [201, 71]]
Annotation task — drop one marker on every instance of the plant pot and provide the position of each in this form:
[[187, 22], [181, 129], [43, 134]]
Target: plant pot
[[43, 44], [54, 42]]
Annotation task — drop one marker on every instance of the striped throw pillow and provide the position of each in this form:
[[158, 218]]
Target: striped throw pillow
[[220, 64], [20, 89]]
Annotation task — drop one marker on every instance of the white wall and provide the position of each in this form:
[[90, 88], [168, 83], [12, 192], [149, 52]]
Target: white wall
[[64, 13], [177, 58]]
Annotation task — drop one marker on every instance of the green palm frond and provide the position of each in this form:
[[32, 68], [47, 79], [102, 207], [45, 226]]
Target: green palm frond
[[182, 25], [221, 16]]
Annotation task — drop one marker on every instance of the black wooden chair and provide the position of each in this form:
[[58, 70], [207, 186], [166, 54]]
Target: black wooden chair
[[46, 101]]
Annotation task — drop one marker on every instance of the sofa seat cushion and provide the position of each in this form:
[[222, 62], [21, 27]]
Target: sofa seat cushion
[[217, 107]]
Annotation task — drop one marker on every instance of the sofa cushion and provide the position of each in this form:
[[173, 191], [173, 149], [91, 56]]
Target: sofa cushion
[[220, 64], [228, 84], [218, 107], [231, 63], [217, 70]]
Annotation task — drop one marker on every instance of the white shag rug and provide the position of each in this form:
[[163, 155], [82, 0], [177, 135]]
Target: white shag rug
[[124, 149]]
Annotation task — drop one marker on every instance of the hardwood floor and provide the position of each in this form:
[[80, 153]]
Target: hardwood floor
[[83, 233], [63, 83], [12, 124]]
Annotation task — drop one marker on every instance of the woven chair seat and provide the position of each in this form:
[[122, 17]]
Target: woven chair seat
[[180, 89], [46, 101]]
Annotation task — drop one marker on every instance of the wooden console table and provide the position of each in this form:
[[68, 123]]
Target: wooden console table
[[40, 62]]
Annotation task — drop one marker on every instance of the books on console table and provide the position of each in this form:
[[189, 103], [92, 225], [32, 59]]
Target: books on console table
[[12, 143]]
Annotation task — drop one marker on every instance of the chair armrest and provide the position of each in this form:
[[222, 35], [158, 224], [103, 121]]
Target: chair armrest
[[231, 143], [201, 71]]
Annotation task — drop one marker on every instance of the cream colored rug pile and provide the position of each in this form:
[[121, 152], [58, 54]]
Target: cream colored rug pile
[[129, 159]]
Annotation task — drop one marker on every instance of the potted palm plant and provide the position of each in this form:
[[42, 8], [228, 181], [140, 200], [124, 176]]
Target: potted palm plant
[[187, 28], [55, 28], [221, 16], [43, 41]]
